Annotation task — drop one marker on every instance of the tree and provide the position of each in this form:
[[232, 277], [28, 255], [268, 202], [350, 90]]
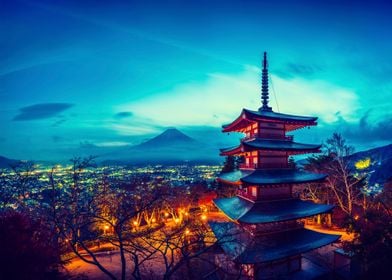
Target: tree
[[26, 248], [346, 189], [84, 214]]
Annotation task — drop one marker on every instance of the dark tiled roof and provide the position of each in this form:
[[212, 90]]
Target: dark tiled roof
[[270, 115], [246, 211], [273, 145], [279, 116], [271, 176], [243, 248]]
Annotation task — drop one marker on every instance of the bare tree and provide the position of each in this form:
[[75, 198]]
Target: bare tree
[[341, 183]]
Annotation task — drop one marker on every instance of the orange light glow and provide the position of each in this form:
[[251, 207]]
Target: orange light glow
[[135, 223], [204, 217]]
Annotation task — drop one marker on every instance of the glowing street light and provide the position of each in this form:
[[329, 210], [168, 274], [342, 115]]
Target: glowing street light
[[105, 228]]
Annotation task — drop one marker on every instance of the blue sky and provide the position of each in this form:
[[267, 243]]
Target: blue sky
[[88, 72]]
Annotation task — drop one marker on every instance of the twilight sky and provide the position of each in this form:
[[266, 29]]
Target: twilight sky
[[76, 74]]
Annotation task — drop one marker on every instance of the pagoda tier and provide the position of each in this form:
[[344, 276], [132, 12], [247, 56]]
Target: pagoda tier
[[248, 118], [243, 249], [258, 144], [245, 211], [270, 177]]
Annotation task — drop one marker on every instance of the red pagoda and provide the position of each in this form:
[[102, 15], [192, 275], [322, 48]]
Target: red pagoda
[[265, 233]]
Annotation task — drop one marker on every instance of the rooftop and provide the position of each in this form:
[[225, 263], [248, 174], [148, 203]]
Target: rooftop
[[242, 248], [271, 176], [270, 145], [248, 116], [245, 211]]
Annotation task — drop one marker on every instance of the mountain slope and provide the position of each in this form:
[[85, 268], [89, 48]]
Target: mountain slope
[[377, 162], [170, 137], [6, 162], [169, 147]]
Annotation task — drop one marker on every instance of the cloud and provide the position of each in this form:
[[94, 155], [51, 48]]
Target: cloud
[[123, 115], [41, 111], [220, 99], [366, 130], [113, 144], [297, 69], [59, 122], [87, 145]]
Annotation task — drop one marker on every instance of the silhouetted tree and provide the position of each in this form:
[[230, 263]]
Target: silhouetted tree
[[341, 182], [27, 250]]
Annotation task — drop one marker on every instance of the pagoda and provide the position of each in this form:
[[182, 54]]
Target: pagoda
[[264, 233]]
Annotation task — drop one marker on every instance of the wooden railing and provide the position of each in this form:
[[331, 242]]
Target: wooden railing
[[268, 136], [266, 165]]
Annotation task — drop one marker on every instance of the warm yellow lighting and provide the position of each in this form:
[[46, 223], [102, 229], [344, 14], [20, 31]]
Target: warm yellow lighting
[[203, 217], [356, 217], [166, 214], [187, 232], [135, 223], [177, 221], [106, 227], [153, 220], [186, 214], [363, 163]]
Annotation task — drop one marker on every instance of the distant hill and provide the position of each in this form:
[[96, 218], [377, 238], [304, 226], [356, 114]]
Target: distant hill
[[380, 163], [379, 160], [170, 147], [6, 162]]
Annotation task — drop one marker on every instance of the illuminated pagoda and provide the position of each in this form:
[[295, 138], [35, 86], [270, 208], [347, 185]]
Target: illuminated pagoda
[[265, 233]]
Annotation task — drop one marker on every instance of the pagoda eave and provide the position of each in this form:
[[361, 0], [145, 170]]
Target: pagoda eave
[[245, 211], [291, 148], [247, 117], [271, 177], [238, 124], [243, 249]]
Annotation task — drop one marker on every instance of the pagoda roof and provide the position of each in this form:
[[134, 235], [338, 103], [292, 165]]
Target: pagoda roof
[[248, 116], [270, 145], [245, 211], [271, 176], [245, 249]]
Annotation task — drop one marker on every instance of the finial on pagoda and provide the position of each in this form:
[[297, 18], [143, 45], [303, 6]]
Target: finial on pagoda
[[264, 86]]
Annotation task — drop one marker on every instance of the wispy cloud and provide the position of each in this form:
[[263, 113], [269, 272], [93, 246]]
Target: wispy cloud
[[41, 111], [366, 130], [221, 97], [123, 115]]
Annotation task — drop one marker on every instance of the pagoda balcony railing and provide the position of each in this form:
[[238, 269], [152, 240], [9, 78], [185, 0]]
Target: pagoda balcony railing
[[267, 136], [245, 194], [248, 166], [265, 165]]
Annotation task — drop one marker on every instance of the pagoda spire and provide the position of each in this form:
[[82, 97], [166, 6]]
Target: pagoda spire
[[264, 86]]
